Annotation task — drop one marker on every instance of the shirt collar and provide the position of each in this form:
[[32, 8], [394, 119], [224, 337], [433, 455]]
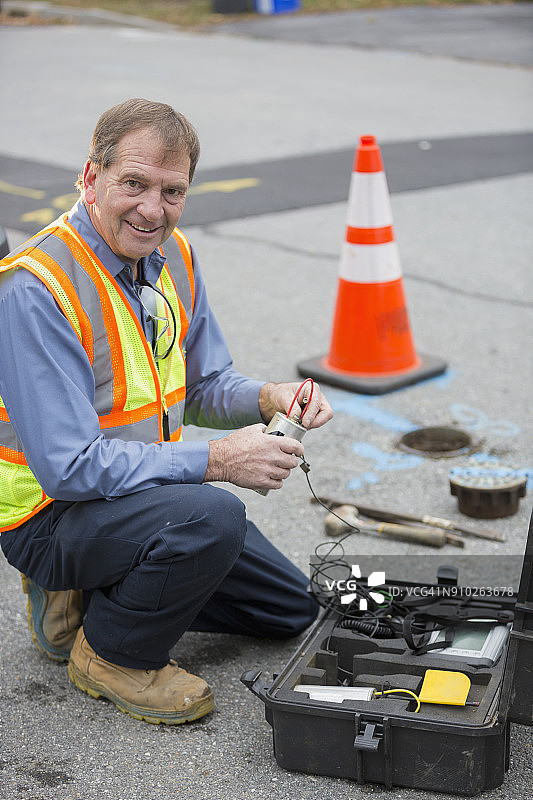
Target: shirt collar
[[150, 266]]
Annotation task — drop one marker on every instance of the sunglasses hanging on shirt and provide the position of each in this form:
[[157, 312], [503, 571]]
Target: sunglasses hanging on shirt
[[161, 313]]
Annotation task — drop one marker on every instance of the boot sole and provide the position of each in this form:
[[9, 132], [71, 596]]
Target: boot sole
[[96, 690], [36, 607]]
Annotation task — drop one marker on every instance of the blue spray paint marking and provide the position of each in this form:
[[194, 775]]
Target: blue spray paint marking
[[382, 461], [486, 458], [363, 408], [386, 461], [476, 420], [364, 478]]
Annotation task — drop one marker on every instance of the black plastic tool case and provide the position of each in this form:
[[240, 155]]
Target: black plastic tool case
[[463, 750]]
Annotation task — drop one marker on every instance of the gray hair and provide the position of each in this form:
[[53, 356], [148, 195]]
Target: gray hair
[[176, 133]]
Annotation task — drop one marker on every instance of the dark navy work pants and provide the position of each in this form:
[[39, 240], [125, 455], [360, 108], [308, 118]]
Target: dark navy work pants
[[158, 563]]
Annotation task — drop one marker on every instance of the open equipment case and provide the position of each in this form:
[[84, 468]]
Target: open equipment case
[[460, 749]]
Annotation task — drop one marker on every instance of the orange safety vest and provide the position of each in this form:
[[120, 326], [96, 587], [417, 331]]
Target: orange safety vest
[[136, 399]]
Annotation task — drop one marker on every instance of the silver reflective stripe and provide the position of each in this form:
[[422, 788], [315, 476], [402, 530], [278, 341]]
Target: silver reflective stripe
[[178, 270], [35, 242], [146, 431], [90, 301], [175, 416], [8, 437]]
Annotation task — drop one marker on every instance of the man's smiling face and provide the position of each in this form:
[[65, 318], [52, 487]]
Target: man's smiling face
[[136, 202]]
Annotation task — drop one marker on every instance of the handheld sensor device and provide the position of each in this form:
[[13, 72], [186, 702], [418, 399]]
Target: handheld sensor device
[[281, 425], [285, 425]]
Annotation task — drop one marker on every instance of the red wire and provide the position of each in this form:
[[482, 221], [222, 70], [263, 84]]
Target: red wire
[[300, 387]]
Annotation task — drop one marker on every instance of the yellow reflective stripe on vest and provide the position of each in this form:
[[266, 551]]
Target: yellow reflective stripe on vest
[[21, 495]]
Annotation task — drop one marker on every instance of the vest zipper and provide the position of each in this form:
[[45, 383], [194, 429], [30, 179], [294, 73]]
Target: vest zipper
[[164, 408], [165, 423]]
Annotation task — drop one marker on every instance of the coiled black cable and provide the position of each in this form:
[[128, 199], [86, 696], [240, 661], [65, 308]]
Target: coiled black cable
[[377, 630]]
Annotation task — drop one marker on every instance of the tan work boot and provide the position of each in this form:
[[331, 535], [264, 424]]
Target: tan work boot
[[53, 618], [169, 695]]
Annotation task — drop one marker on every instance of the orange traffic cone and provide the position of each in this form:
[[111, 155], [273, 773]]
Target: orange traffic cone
[[372, 349]]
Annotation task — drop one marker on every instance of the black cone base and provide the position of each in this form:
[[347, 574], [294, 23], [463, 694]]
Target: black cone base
[[430, 367]]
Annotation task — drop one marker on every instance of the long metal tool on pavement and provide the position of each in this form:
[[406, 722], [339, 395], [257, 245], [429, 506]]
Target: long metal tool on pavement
[[343, 518], [425, 519]]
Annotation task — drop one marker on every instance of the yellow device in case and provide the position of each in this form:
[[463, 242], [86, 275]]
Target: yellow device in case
[[444, 687]]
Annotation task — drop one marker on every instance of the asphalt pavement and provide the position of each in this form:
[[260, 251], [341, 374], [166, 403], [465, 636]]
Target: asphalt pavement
[[280, 102]]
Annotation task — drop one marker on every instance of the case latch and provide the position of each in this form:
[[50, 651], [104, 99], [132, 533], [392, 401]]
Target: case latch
[[367, 740], [447, 575]]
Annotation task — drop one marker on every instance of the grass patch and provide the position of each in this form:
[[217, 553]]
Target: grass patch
[[199, 13]]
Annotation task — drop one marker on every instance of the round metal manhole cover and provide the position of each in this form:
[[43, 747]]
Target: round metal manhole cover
[[437, 442]]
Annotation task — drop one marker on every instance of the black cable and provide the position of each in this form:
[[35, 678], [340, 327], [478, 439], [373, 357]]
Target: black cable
[[325, 563], [306, 467], [375, 630], [378, 620]]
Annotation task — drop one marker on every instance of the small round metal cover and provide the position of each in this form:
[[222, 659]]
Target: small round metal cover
[[437, 442], [488, 477], [488, 491]]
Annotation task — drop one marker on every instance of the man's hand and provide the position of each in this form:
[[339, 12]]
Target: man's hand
[[252, 459], [279, 396]]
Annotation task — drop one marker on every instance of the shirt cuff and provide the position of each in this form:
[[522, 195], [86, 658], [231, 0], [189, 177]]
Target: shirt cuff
[[188, 461]]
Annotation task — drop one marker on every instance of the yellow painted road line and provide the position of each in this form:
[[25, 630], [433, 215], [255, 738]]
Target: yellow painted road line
[[224, 186], [65, 201], [22, 191], [43, 216]]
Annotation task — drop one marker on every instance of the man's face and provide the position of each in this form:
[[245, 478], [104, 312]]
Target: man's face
[[136, 202]]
